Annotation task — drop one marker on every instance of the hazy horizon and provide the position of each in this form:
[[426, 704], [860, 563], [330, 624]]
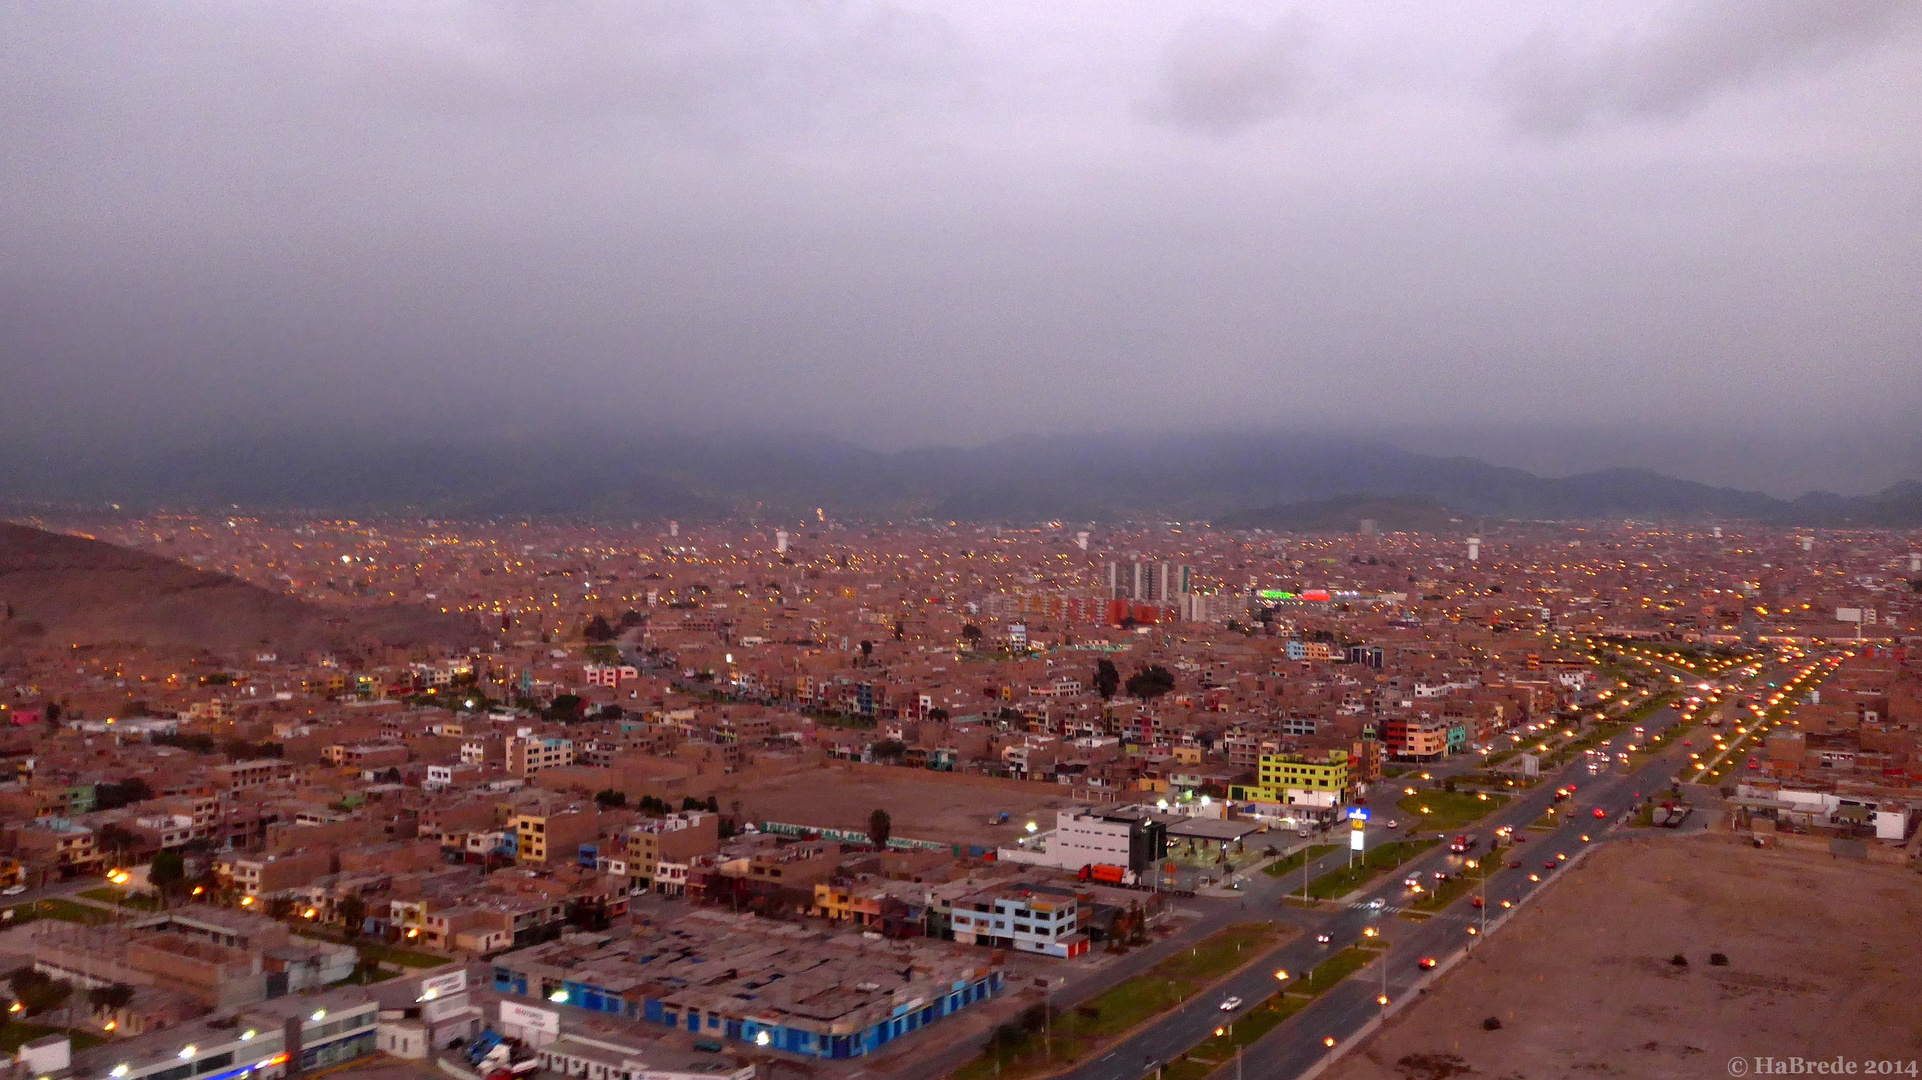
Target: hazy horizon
[[1680, 236]]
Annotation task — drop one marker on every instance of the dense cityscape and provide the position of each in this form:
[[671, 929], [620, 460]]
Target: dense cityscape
[[923, 540], [904, 771]]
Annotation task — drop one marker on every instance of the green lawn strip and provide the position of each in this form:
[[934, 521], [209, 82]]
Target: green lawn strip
[[1447, 811], [1081, 1030], [62, 909], [1245, 1027], [1346, 879], [116, 896], [1550, 820], [1220, 953], [1283, 867], [14, 1033], [403, 957], [1440, 896]]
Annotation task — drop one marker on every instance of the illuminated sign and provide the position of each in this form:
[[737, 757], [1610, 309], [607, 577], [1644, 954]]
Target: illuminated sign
[[443, 985], [1275, 594], [1358, 813]]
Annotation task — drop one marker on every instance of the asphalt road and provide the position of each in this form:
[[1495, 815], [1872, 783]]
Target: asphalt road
[[1297, 1044]]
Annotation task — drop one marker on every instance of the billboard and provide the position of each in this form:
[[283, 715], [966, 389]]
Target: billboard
[[441, 986], [1358, 813], [528, 1019]]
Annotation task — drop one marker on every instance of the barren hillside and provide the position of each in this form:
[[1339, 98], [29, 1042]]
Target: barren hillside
[[71, 589]]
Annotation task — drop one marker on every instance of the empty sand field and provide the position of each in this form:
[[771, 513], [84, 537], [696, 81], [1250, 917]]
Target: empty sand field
[[1822, 960], [921, 805]]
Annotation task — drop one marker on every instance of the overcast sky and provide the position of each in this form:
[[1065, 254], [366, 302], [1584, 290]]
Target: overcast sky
[[914, 222]]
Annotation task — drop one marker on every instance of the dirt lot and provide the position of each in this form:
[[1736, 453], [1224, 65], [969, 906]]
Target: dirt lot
[[920, 806], [1822, 960]]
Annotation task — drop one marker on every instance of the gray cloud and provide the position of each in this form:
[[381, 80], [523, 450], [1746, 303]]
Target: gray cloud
[[1220, 75], [907, 221], [1697, 51]]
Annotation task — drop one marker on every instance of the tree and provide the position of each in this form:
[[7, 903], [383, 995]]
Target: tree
[[890, 750], [1107, 679], [565, 708], [867, 649], [610, 799], [880, 826], [937, 714], [1150, 682], [112, 796], [168, 869], [116, 838], [108, 998], [971, 634], [598, 629], [353, 915], [39, 992]]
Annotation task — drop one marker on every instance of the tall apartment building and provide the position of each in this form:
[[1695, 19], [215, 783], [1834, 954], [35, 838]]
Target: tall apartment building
[[1149, 582], [676, 839], [542, 837], [1085, 836], [1418, 738], [1024, 919], [527, 755], [1322, 780]]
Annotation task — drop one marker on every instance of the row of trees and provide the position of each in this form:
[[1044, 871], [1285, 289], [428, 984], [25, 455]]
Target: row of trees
[[1148, 683], [615, 799]]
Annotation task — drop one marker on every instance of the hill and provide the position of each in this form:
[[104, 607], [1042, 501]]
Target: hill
[[69, 589], [614, 476], [1345, 514]]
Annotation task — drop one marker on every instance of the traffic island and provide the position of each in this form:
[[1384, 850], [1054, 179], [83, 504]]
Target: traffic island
[[1037, 1043], [1244, 1028], [1372, 864]]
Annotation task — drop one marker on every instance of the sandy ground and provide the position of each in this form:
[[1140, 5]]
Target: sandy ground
[[1823, 960], [918, 808]]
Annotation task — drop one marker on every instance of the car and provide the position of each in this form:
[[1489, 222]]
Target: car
[[1322, 939], [1477, 902], [13, 890], [1548, 864], [1393, 824], [1427, 962], [1412, 881], [708, 1046], [1230, 1004], [1600, 813], [1377, 904], [1441, 875], [1515, 864]]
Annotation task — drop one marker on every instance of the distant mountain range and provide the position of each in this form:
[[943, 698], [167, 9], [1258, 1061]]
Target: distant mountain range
[[774, 477], [71, 590]]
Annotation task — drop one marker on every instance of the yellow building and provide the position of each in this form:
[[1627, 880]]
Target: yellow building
[[1322, 780]]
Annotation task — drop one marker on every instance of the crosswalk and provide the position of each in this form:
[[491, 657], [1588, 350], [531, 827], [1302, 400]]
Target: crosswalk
[[1397, 909]]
